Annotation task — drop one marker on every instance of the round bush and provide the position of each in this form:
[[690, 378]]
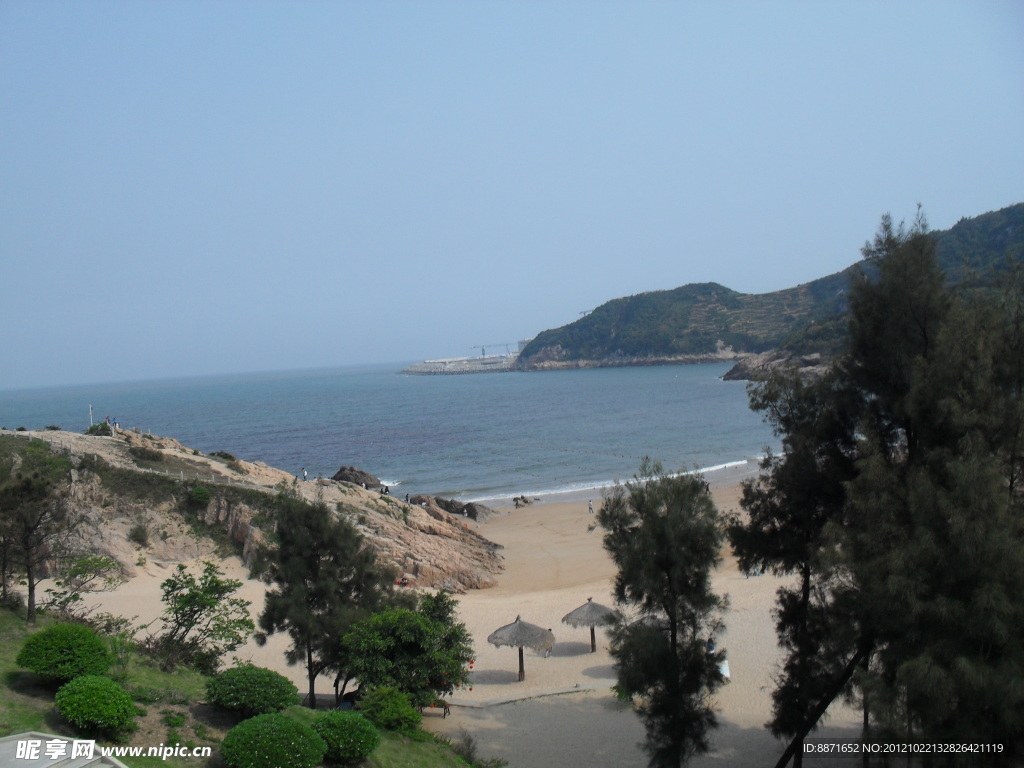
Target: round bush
[[272, 741], [390, 709], [63, 652], [251, 691], [350, 737], [199, 497], [97, 705]]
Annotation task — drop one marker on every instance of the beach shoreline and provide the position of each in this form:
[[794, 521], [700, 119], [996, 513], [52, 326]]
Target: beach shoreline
[[722, 475], [555, 561]]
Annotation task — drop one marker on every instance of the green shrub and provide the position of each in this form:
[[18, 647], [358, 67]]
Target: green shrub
[[350, 737], [63, 652], [390, 709], [139, 534], [14, 601], [97, 706], [199, 497], [103, 429], [272, 741], [251, 690]]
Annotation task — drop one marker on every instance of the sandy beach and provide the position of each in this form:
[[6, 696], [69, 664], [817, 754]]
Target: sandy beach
[[564, 708]]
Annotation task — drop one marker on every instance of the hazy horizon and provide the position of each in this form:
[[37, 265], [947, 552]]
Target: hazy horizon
[[194, 190]]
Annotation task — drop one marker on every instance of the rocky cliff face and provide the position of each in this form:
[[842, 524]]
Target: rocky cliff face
[[131, 532], [431, 546]]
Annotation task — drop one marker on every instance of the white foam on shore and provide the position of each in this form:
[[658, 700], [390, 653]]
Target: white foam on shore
[[718, 474]]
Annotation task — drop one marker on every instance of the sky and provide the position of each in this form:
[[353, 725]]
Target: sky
[[194, 188]]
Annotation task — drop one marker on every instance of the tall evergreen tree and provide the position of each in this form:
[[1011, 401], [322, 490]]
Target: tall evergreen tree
[[934, 540], [921, 549], [897, 309], [325, 579], [664, 535], [36, 522], [788, 508]]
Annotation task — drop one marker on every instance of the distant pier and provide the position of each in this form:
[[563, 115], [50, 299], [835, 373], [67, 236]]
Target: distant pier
[[482, 363], [454, 366]]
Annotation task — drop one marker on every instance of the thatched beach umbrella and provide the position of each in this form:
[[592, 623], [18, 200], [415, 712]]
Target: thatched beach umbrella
[[588, 615], [521, 634]]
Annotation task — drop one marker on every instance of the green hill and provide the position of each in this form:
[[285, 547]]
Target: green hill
[[706, 321]]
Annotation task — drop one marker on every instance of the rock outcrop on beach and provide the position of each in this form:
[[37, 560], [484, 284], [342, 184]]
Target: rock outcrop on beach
[[431, 546], [356, 477], [756, 367], [474, 511], [132, 491]]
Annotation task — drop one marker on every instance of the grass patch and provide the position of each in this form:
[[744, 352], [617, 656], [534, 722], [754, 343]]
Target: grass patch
[[146, 457], [34, 455], [138, 486], [397, 751]]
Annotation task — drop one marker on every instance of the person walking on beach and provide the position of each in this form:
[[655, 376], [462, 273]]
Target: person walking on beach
[[590, 507]]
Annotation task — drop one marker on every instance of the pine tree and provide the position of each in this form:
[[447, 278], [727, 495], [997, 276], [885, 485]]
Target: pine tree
[[36, 524], [664, 535], [325, 578], [788, 508], [935, 539], [931, 549], [920, 549]]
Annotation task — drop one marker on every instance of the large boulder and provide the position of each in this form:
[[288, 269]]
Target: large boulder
[[761, 366], [356, 476], [472, 510]]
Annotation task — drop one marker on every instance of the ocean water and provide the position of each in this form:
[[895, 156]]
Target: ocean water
[[475, 437]]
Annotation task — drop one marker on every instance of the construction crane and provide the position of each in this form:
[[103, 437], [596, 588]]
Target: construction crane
[[483, 348]]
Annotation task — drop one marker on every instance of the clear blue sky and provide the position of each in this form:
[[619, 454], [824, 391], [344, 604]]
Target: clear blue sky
[[192, 188]]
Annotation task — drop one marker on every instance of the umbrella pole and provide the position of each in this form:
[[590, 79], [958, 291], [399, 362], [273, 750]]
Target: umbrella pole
[[593, 640], [522, 667]]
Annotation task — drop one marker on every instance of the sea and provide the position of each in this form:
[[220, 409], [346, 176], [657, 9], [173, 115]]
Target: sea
[[481, 437]]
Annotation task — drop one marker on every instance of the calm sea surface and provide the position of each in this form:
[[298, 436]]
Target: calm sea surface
[[474, 437]]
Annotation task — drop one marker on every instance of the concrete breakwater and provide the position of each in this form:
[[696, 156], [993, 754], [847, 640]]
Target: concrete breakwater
[[454, 366]]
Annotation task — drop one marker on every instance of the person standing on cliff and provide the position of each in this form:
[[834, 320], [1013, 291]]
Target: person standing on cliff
[[305, 475]]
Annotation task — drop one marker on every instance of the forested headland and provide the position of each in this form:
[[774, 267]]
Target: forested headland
[[806, 323]]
